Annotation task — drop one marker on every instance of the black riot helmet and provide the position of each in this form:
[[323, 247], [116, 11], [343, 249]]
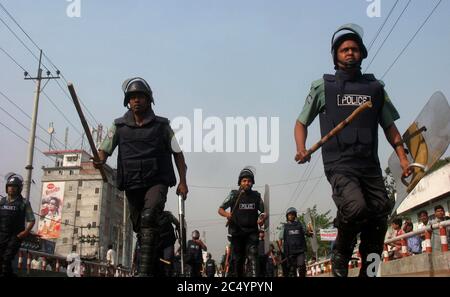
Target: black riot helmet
[[195, 234], [246, 172], [291, 210], [136, 85], [13, 179], [348, 32]]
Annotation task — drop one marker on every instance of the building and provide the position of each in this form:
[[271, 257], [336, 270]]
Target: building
[[82, 213]]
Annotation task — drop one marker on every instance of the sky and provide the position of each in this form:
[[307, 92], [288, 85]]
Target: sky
[[229, 59]]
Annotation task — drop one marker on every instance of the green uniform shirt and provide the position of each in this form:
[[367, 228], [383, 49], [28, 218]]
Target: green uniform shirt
[[110, 142], [315, 104]]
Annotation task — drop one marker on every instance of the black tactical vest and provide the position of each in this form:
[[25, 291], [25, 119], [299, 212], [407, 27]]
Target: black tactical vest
[[294, 238], [144, 156], [245, 216], [210, 267], [194, 252], [357, 144], [12, 216]]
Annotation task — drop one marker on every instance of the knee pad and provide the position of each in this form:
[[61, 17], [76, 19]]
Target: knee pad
[[149, 218], [252, 252]]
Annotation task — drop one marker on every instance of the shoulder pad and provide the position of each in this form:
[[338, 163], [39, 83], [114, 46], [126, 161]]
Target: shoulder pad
[[329, 77], [369, 76], [234, 193], [162, 120], [257, 193], [317, 83], [119, 121], [381, 82]]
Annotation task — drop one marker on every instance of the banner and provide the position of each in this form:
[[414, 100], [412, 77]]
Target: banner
[[328, 234], [51, 210]]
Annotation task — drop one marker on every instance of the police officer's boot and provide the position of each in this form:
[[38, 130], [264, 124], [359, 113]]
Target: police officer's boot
[[372, 240], [148, 265], [339, 264], [343, 248]]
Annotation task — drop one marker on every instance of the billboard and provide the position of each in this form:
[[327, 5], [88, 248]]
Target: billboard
[[51, 210], [328, 234]]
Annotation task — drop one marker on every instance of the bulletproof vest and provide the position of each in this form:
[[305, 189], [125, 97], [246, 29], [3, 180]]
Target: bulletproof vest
[[357, 144], [210, 267], [194, 252], [245, 215], [144, 159], [294, 238], [12, 215], [167, 233]]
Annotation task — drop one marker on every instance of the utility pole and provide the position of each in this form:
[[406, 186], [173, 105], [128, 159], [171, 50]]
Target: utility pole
[[29, 166], [124, 232]]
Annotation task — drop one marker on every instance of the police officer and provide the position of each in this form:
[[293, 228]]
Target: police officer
[[167, 240], [194, 254], [262, 256], [14, 212], [292, 240], [350, 159], [210, 266], [144, 166], [243, 217]]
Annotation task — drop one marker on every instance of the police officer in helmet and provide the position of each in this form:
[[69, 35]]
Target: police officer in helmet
[[210, 266], [244, 217], [351, 157], [14, 212], [194, 254], [293, 242], [144, 166]]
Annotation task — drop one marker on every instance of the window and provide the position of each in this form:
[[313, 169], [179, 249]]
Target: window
[[74, 248], [68, 205], [94, 224], [71, 172], [60, 172], [80, 183], [49, 172], [95, 207], [97, 190], [66, 222], [77, 213], [75, 230], [79, 196], [70, 188], [64, 240]]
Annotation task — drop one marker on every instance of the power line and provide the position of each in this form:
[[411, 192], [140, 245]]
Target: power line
[[21, 41], [21, 124], [14, 60], [412, 38], [382, 26], [270, 185], [27, 115], [26, 141], [59, 110], [389, 34], [35, 44]]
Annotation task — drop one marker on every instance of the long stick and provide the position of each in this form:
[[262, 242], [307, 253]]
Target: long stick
[[338, 128], [86, 129], [182, 231]]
